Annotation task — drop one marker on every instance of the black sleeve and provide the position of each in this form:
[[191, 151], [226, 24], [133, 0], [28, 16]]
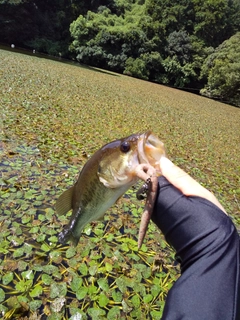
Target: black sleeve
[[207, 247]]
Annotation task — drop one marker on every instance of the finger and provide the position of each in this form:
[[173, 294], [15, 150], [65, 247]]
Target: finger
[[185, 183]]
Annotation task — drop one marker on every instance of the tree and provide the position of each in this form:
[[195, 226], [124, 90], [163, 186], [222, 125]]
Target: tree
[[107, 40], [179, 46], [42, 25], [213, 20], [160, 40], [136, 68], [222, 71]]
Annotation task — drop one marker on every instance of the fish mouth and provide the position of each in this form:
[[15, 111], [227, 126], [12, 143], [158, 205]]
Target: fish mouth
[[150, 149]]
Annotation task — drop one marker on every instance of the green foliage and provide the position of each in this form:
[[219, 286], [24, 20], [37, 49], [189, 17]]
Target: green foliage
[[154, 66], [125, 35], [179, 46], [155, 40], [179, 65], [214, 20], [39, 25], [222, 70], [178, 75], [48, 46], [211, 21], [106, 40], [136, 68], [149, 66], [51, 120]]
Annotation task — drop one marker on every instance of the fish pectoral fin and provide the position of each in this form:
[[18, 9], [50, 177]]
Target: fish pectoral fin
[[64, 202]]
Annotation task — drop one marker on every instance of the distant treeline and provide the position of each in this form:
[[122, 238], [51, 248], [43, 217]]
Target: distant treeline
[[183, 43]]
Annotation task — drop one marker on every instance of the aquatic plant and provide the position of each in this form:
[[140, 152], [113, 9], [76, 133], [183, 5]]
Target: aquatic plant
[[53, 117]]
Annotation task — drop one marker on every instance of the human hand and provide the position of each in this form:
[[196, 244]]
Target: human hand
[[185, 183], [179, 180]]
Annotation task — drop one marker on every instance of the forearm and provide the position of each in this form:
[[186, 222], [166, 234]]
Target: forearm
[[207, 245]]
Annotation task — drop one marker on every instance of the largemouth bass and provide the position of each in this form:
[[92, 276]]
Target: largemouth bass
[[106, 176]]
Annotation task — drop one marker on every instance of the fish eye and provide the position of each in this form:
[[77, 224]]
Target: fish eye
[[125, 147]]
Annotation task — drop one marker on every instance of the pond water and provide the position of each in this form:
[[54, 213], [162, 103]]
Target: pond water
[[43, 279]]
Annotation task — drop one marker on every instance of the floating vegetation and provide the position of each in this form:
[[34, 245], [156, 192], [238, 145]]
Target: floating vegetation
[[105, 275], [53, 117]]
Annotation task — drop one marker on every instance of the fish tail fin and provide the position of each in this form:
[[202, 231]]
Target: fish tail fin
[[64, 202], [65, 236]]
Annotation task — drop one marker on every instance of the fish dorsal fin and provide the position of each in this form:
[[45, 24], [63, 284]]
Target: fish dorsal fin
[[64, 202]]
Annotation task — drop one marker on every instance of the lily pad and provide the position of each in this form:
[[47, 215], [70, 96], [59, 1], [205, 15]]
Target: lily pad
[[2, 295], [70, 252], [79, 315], [96, 313], [57, 304], [117, 296], [103, 284], [76, 283], [36, 291], [23, 285], [103, 300], [83, 269], [58, 290], [40, 158], [113, 313], [28, 275], [35, 304], [81, 293], [47, 279]]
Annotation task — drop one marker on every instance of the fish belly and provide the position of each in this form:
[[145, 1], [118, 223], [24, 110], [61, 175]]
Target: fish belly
[[93, 211]]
